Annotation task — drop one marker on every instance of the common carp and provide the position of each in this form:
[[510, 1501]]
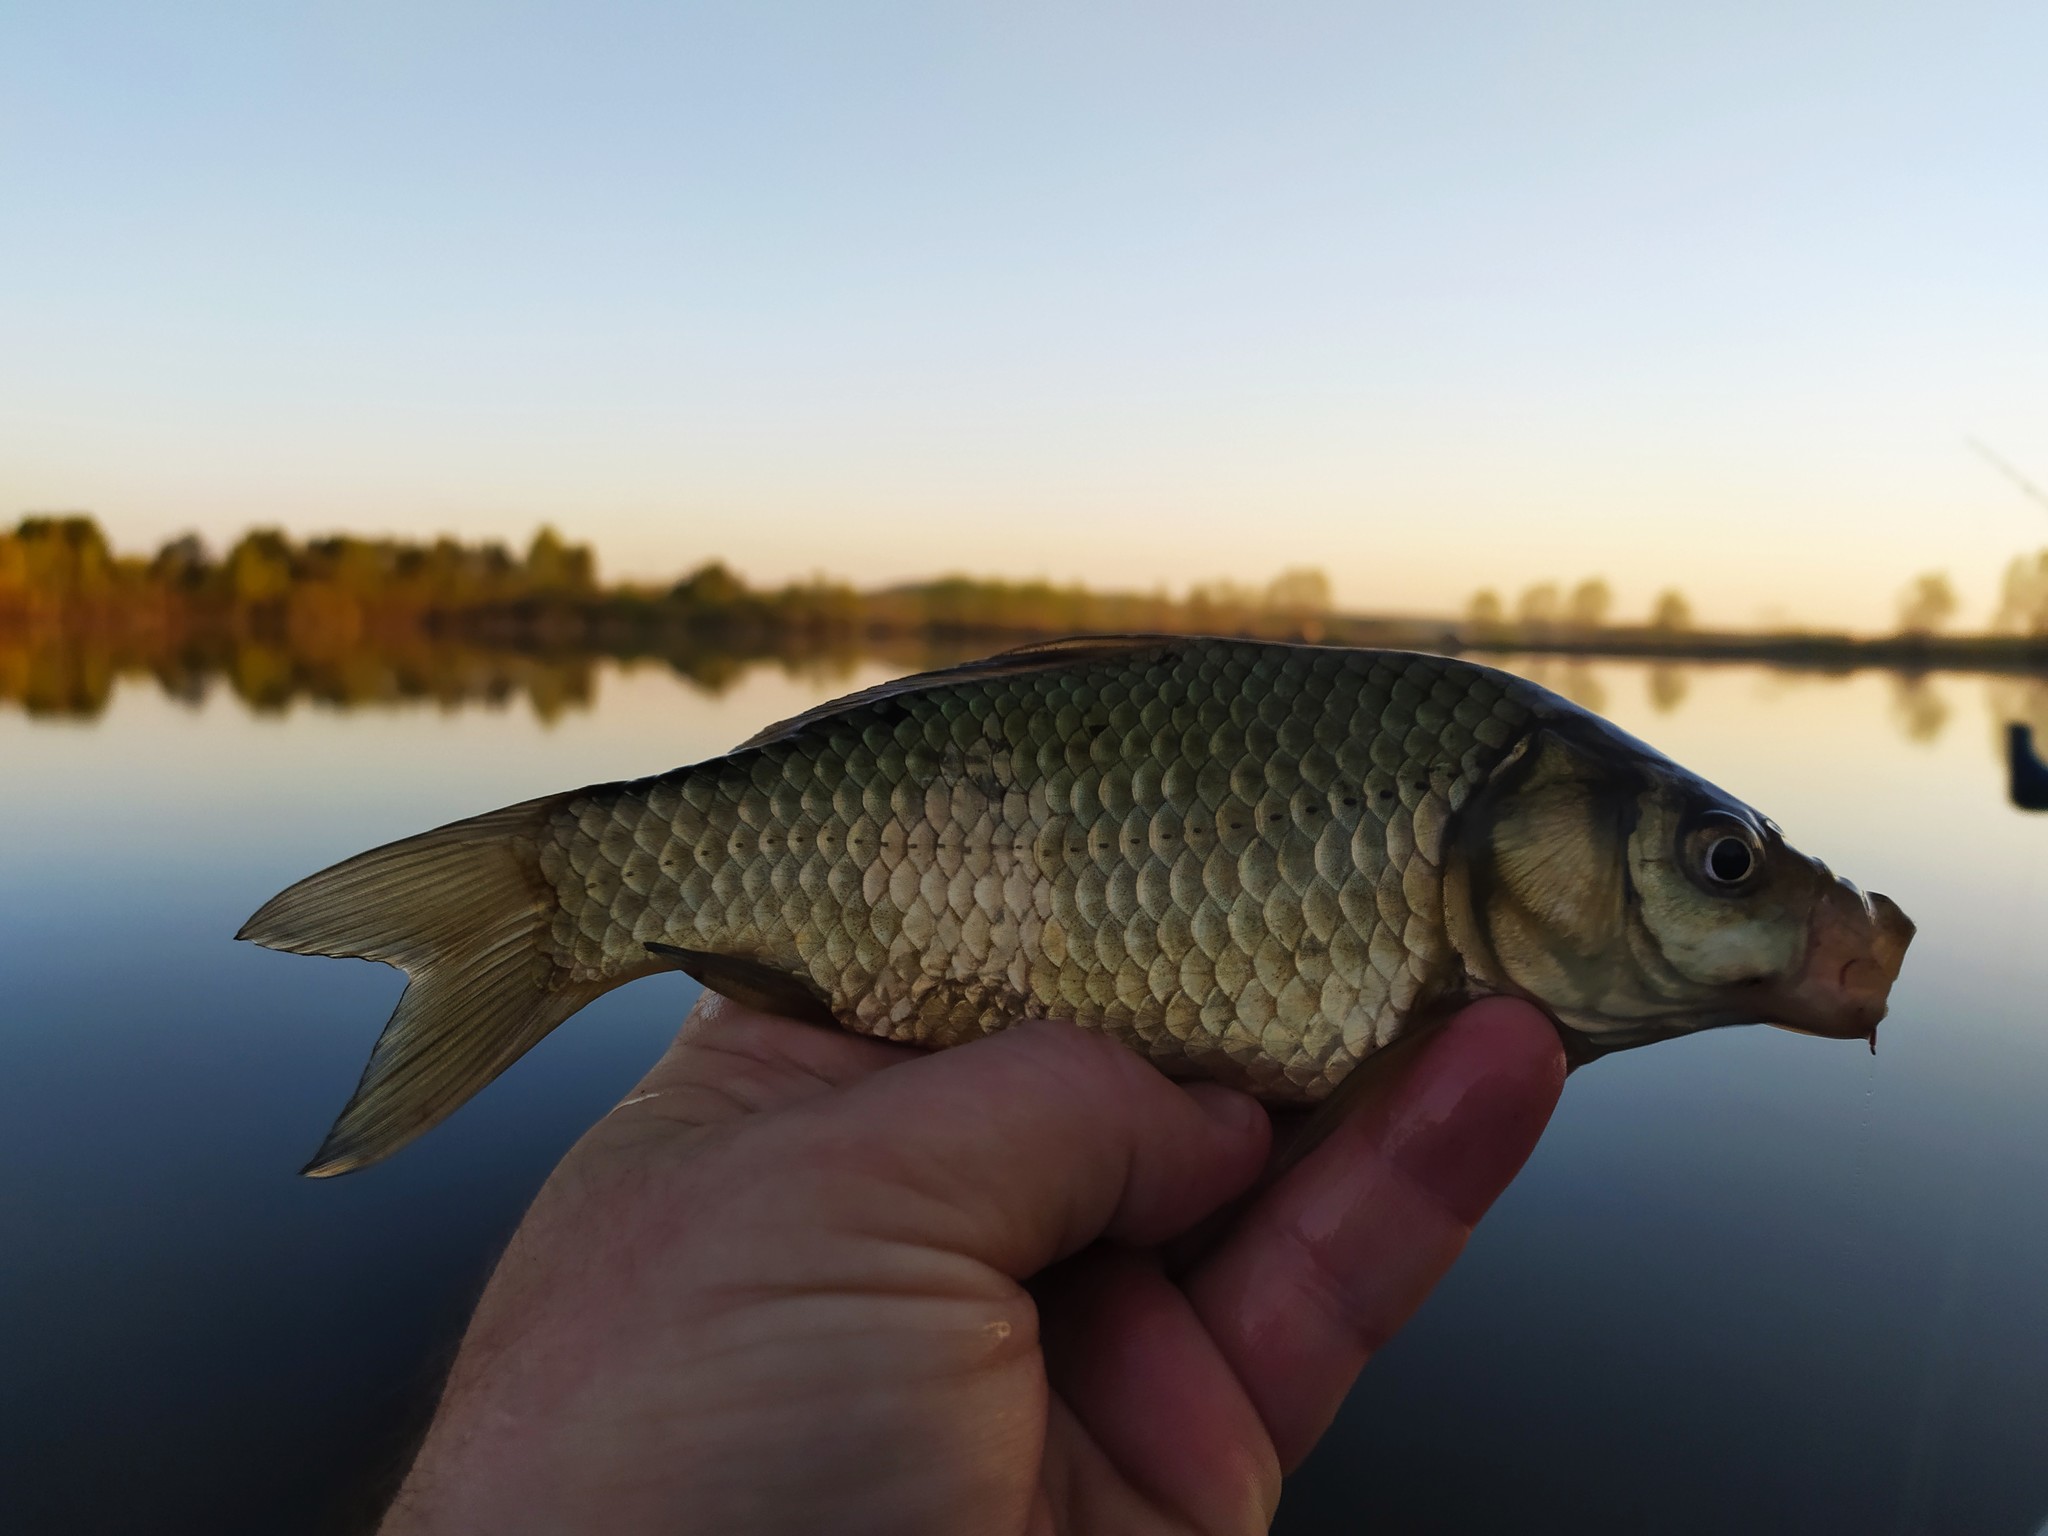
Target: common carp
[[1251, 862]]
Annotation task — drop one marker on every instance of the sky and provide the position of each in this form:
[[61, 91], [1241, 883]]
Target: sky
[[1433, 297]]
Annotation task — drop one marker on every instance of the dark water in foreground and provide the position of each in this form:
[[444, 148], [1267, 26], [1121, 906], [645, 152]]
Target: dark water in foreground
[[1750, 1282]]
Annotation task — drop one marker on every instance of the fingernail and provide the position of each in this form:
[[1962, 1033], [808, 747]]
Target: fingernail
[[1470, 1113]]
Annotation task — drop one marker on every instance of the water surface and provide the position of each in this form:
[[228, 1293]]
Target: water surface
[[1750, 1281]]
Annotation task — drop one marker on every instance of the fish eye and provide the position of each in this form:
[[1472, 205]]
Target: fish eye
[[1724, 854], [1729, 860]]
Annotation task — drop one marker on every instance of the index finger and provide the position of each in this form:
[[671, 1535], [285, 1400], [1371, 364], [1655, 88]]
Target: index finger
[[1019, 1149], [1327, 1265]]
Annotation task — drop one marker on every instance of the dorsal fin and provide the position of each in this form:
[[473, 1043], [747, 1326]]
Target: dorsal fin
[[1042, 656]]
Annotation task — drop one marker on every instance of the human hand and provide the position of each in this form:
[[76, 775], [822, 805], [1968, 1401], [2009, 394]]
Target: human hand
[[802, 1281]]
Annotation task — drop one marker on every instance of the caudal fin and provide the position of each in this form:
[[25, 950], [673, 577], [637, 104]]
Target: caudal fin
[[464, 912]]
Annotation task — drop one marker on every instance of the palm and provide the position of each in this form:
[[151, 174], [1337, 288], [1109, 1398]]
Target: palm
[[826, 1283]]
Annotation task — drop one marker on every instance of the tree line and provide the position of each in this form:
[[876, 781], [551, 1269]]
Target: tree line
[[62, 571], [65, 562], [1928, 604]]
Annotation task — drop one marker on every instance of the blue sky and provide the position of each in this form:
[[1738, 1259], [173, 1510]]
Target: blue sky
[[1432, 297]]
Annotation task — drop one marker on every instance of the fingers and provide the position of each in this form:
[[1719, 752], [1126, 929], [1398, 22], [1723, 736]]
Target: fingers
[[1128, 1356], [1022, 1148], [730, 1061], [1335, 1257]]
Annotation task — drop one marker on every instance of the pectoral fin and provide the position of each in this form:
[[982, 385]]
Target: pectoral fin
[[752, 984]]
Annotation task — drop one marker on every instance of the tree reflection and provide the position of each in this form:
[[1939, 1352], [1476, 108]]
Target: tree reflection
[[58, 675], [1668, 686], [1918, 707], [75, 675], [1571, 676], [2022, 699]]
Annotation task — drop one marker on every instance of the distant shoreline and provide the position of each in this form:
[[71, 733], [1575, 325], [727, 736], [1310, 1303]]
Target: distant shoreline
[[1812, 652], [551, 656], [321, 614], [1818, 651], [622, 624], [626, 624]]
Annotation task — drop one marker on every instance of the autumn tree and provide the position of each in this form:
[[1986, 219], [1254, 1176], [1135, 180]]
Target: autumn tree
[[554, 565], [1927, 604], [2023, 601], [1539, 606], [259, 567], [59, 557], [1304, 590], [1589, 603], [182, 563], [710, 587], [13, 567], [1671, 612]]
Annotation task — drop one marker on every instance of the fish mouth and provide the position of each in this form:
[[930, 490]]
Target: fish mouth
[[1854, 947]]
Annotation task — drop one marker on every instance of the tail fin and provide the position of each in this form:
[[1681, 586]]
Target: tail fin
[[464, 912]]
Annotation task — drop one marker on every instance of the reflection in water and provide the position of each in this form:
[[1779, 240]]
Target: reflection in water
[[74, 676], [1667, 687], [53, 674], [1572, 676], [1919, 709], [2024, 699]]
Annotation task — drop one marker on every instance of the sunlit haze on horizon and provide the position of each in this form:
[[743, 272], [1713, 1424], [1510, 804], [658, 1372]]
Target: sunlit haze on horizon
[[1137, 294]]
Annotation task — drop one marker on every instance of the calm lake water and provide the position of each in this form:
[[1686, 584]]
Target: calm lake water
[[1751, 1282]]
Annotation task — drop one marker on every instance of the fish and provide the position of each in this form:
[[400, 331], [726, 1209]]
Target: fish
[[1254, 863]]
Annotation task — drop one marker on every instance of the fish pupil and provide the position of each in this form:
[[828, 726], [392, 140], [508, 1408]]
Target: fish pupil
[[1729, 860]]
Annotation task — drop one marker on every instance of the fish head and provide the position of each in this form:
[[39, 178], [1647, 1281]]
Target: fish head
[[1636, 902]]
